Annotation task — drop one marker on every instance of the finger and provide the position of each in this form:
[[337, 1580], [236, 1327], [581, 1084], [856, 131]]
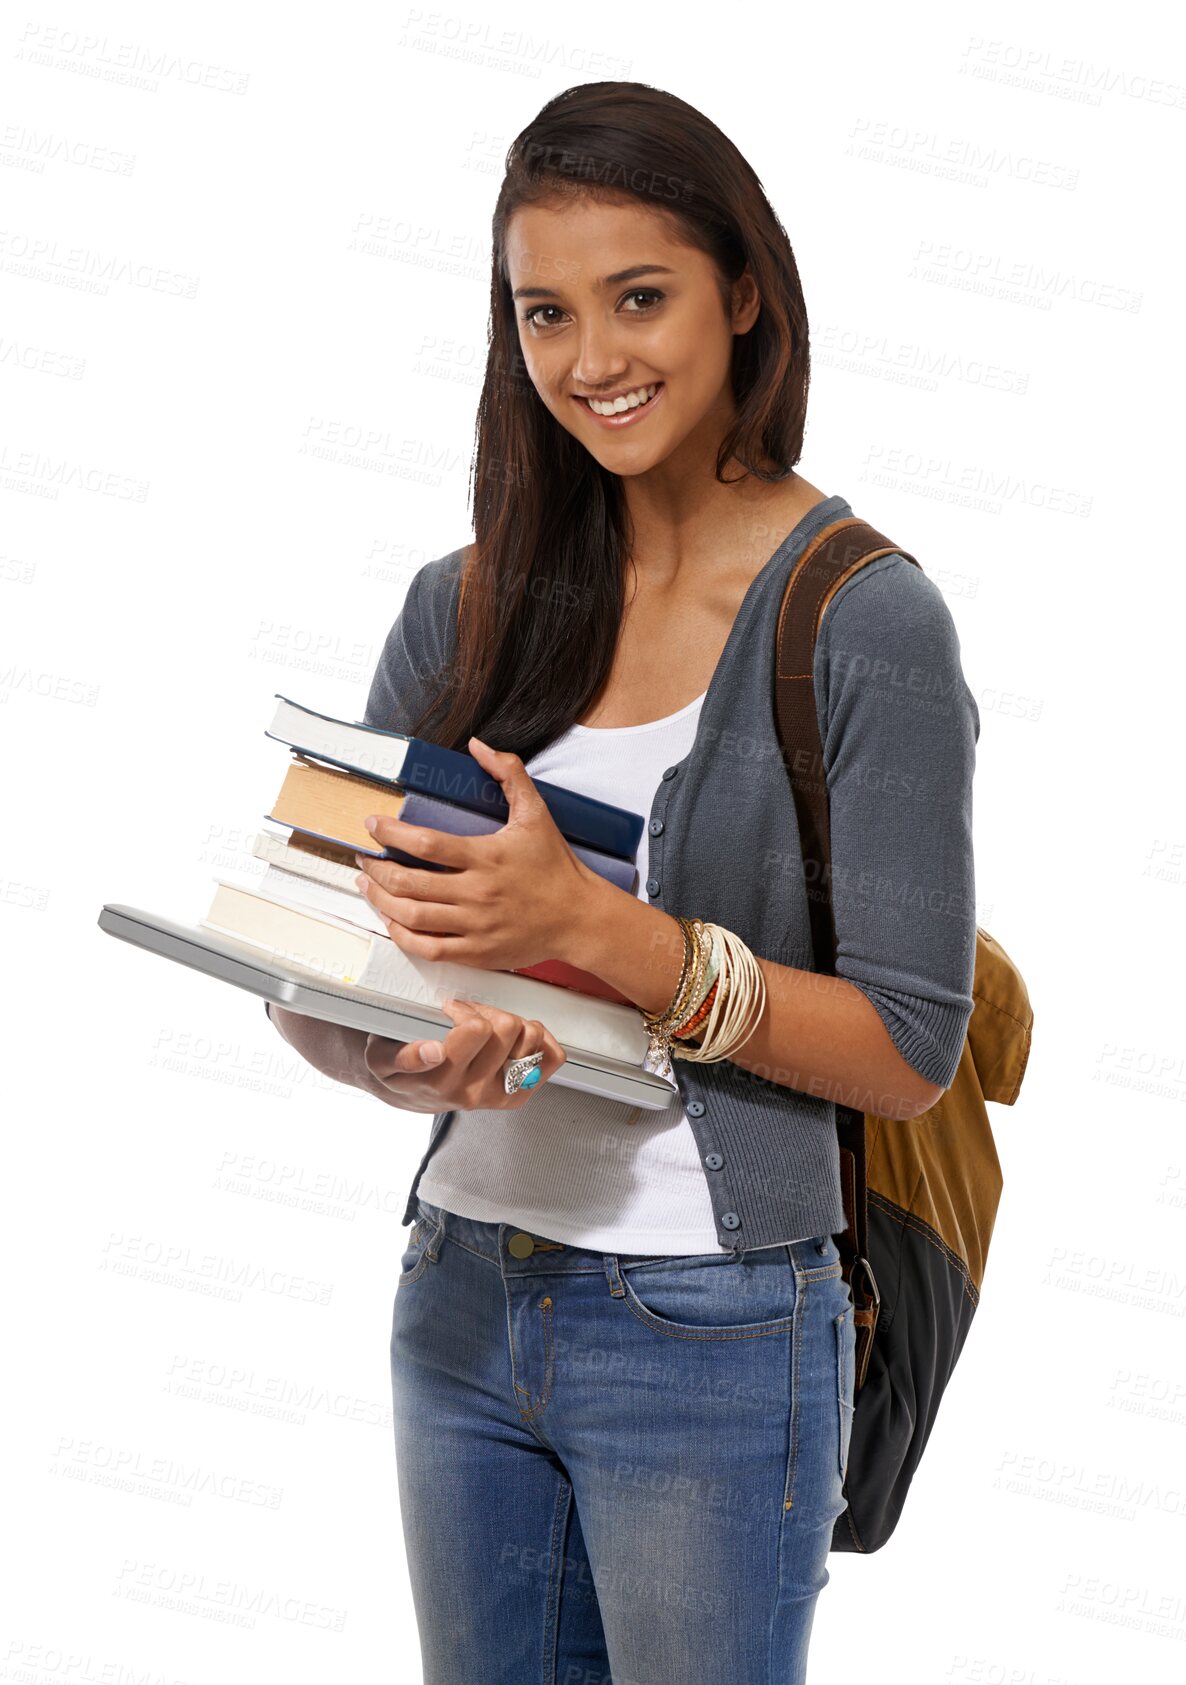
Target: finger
[[532, 1038], [431, 917], [504, 1029], [442, 847], [393, 1059], [459, 1007], [419, 1056], [536, 1039], [413, 881], [523, 799], [426, 944], [470, 1034], [402, 1058]]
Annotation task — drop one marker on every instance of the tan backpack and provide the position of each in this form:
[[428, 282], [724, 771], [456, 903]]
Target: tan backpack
[[920, 1195]]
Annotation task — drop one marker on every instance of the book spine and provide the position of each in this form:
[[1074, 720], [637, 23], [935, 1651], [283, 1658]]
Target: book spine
[[454, 777]]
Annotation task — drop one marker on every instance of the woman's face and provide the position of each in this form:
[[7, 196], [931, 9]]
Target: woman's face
[[608, 301]]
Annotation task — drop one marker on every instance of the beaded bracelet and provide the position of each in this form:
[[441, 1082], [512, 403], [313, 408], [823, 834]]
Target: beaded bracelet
[[736, 1010], [707, 988], [729, 1007]]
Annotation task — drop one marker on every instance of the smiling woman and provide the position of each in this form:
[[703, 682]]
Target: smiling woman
[[576, 345], [622, 1339], [634, 253]]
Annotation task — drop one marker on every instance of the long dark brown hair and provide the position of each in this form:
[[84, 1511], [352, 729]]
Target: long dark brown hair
[[545, 577]]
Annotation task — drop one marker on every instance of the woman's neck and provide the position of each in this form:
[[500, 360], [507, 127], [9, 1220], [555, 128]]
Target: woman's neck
[[719, 528]]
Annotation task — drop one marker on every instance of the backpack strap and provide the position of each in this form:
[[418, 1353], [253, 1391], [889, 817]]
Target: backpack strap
[[833, 556], [835, 553]]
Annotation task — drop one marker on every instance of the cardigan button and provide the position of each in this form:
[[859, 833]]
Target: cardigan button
[[713, 1161], [652, 886], [656, 827], [670, 772], [730, 1220], [695, 1108]]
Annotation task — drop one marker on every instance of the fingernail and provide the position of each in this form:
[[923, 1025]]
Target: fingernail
[[432, 1053], [371, 824]]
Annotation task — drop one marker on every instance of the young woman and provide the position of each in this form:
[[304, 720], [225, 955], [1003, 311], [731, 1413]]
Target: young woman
[[622, 1351]]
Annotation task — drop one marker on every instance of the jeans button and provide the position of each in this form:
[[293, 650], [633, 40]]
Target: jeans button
[[520, 1246]]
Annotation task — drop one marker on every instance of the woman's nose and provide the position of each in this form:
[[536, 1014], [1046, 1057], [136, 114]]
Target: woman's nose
[[598, 363]]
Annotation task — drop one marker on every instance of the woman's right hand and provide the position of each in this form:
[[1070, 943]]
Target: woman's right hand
[[465, 1070]]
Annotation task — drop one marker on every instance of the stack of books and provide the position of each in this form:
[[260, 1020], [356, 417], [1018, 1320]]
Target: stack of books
[[307, 908]]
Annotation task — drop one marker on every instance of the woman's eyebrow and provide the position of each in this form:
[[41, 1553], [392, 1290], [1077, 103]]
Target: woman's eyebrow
[[605, 281]]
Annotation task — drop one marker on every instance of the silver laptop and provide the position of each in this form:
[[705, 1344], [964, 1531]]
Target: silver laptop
[[299, 989]]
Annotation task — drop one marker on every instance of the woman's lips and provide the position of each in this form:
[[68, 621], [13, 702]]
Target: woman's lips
[[624, 418]]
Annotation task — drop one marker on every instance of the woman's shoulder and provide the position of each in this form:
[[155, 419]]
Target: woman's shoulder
[[417, 646], [442, 570], [890, 599], [888, 636], [430, 604]]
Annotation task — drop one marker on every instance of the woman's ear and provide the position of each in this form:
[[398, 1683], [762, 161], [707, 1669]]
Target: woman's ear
[[747, 302]]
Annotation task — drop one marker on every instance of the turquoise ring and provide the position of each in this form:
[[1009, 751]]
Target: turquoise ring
[[523, 1073]]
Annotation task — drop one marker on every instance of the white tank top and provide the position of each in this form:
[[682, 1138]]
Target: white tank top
[[575, 1167]]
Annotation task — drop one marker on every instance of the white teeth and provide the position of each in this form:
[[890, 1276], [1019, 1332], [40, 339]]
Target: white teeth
[[629, 401]]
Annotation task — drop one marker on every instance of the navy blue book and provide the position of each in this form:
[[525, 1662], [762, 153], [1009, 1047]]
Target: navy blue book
[[415, 764]]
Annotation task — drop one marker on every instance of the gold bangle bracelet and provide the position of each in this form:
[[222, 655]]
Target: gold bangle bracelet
[[661, 1025], [660, 1021]]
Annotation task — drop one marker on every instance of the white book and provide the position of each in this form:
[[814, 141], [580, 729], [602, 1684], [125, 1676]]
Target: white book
[[277, 850], [346, 955], [318, 898]]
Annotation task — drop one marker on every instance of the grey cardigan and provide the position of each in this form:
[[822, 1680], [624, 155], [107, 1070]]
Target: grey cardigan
[[899, 728]]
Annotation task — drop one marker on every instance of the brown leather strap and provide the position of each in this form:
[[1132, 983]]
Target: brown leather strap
[[833, 556]]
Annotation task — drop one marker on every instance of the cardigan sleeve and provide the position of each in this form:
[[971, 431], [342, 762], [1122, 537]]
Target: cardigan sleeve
[[899, 728], [417, 648]]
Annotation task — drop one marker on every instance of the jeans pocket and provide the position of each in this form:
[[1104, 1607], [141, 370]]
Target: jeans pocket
[[709, 1296], [845, 1330], [419, 1250]]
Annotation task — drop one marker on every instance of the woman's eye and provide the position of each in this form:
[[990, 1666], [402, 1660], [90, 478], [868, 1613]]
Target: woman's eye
[[530, 315], [533, 316], [644, 292]]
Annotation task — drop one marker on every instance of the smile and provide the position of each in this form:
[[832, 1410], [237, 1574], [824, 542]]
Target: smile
[[631, 414]]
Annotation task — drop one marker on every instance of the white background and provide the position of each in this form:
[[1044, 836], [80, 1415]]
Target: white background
[[292, 253]]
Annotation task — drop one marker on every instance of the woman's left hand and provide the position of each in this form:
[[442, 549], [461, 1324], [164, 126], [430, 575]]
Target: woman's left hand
[[511, 899]]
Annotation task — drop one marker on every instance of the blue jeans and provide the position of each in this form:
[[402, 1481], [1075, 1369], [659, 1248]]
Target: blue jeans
[[617, 1468]]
